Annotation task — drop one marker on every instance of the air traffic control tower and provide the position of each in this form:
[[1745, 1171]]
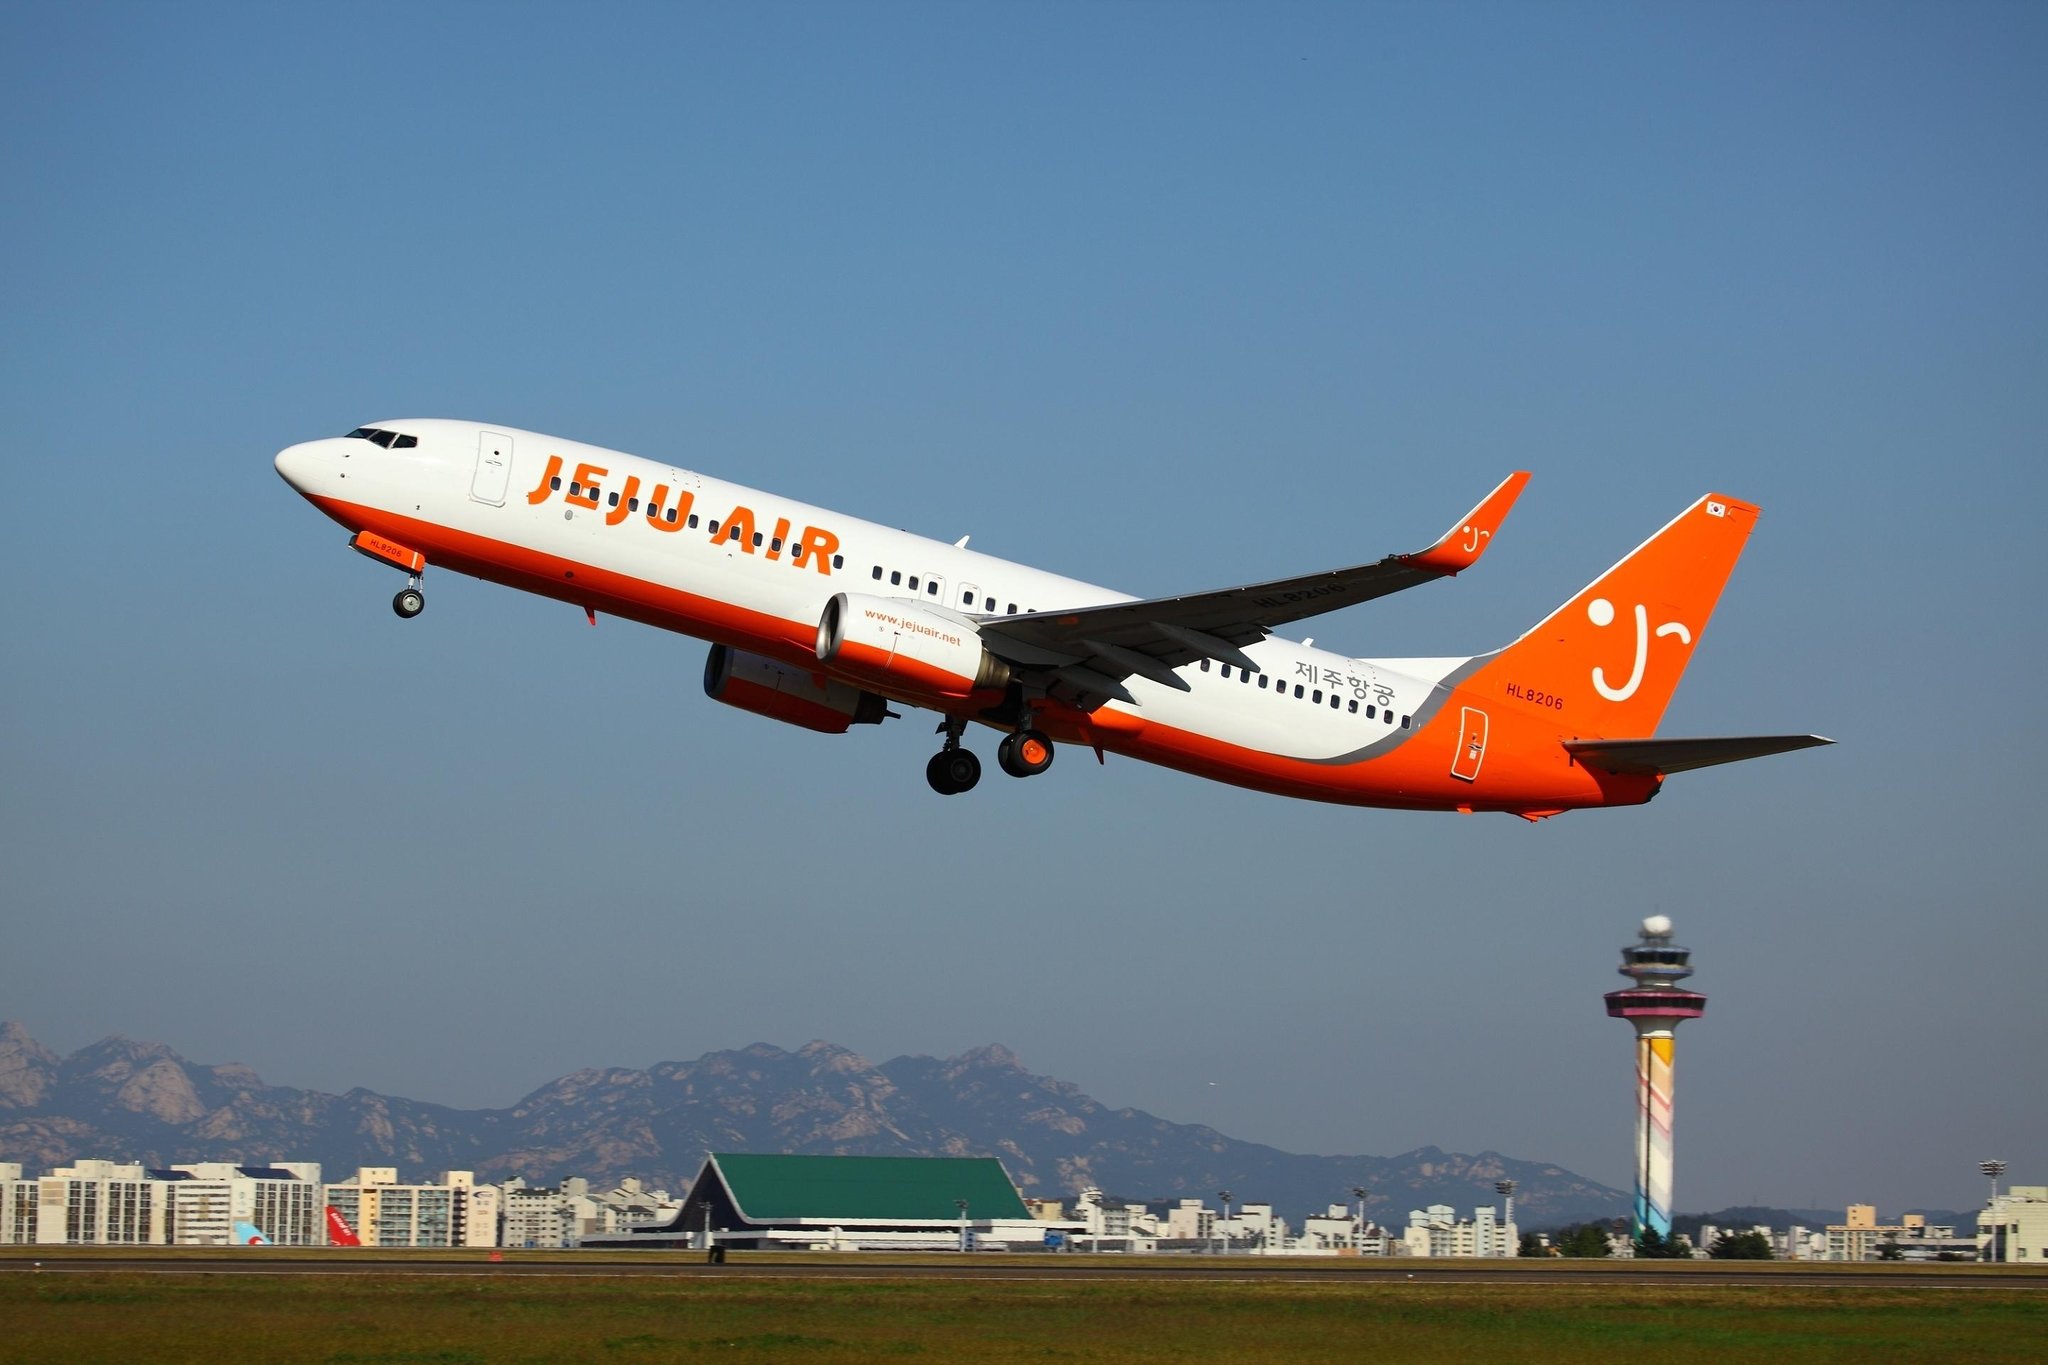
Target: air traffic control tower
[[1655, 1005]]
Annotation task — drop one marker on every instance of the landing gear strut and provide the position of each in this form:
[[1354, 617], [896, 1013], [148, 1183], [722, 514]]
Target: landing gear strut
[[1025, 754], [952, 770]]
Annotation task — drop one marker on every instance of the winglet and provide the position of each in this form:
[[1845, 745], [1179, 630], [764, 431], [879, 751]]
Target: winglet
[[1462, 545]]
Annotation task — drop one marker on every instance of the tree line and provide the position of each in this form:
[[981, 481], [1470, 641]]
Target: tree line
[[1593, 1241]]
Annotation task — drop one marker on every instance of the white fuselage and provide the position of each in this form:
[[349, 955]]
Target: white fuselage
[[768, 597]]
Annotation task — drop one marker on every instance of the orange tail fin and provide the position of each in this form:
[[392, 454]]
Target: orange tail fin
[[1606, 662]]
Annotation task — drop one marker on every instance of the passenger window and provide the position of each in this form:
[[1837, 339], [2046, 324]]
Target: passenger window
[[1388, 717], [988, 604], [966, 599], [1243, 676], [776, 545], [613, 500], [1297, 691], [932, 588], [1224, 669], [575, 489], [895, 578], [1404, 722], [1354, 706], [912, 585], [838, 561], [693, 521], [670, 516], [1335, 701], [878, 573], [757, 540], [632, 504], [1012, 611], [1205, 665], [713, 527], [1262, 682], [556, 483], [1317, 699], [1371, 713]]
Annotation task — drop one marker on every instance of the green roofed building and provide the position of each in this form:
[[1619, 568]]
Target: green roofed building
[[750, 1201]]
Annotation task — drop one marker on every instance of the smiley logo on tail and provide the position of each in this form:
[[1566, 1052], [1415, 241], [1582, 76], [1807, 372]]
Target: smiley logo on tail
[[1600, 612]]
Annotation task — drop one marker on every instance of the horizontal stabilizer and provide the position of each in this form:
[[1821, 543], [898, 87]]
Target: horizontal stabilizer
[[1680, 755]]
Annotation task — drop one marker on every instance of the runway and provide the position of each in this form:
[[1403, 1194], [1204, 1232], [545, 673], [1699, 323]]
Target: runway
[[1072, 1268]]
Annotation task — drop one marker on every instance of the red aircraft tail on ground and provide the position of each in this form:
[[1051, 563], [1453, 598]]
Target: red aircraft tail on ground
[[339, 1233]]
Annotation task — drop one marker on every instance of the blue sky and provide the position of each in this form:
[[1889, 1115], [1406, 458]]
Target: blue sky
[[1165, 297]]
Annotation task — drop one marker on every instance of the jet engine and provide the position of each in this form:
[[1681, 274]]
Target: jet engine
[[800, 696], [905, 647]]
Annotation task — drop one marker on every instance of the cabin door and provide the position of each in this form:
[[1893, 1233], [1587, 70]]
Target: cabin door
[[493, 468]]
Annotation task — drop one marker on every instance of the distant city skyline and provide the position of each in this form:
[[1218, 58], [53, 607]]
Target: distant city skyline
[[1159, 299], [836, 1095]]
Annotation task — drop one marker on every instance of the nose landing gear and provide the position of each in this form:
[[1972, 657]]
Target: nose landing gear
[[410, 601]]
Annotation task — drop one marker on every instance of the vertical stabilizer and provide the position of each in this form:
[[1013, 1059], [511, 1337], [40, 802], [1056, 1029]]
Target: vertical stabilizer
[[1606, 662], [339, 1233]]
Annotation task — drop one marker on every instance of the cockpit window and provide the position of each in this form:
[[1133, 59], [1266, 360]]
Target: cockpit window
[[390, 440]]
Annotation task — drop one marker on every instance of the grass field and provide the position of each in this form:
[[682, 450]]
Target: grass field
[[111, 1316]]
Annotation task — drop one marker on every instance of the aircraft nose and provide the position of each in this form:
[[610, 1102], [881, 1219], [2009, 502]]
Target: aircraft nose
[[296, 464]]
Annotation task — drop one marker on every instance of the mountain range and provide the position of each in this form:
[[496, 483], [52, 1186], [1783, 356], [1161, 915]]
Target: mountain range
[[126, 1100]]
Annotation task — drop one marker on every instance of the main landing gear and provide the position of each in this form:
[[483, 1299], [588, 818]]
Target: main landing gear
[[953, 769], [1025, 754]]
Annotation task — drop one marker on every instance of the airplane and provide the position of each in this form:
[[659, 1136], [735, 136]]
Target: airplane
[[825, 621], [247, 1234]]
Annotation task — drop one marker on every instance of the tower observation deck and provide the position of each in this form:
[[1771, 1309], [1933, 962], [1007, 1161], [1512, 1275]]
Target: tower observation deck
[[1655, 1005]]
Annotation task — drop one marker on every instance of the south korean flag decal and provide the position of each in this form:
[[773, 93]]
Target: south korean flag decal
[[1717, 509]]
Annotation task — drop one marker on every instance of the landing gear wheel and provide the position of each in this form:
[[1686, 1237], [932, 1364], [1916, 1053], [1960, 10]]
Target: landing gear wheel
[[409, 603], [1025, 754], [952, 771]]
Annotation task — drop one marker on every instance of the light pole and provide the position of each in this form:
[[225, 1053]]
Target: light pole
[[961, 1204], [1359, 1192], [1224, 1231], [1506, 1190], [1994, 1169]]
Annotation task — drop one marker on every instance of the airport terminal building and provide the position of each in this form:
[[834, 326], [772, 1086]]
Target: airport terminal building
[[850, 1203]]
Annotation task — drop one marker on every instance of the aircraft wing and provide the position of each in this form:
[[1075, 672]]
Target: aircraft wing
[[1094, 649], [1652, 756]]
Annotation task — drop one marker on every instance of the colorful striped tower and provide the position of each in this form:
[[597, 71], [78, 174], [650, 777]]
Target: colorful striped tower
[[1655, 1005]]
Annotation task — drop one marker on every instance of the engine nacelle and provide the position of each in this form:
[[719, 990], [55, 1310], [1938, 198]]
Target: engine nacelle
[[799, 696], [905, 647]]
